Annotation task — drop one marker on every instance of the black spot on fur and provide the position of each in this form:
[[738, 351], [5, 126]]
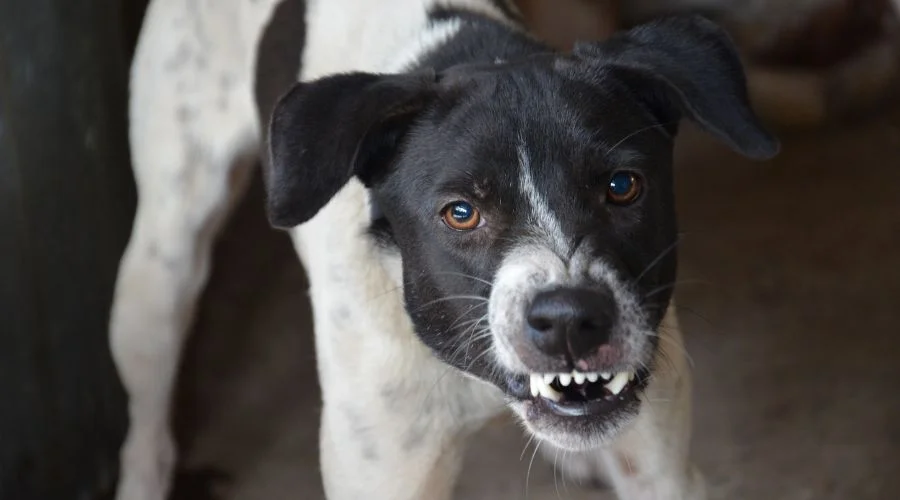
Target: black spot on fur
[[362, 433], [185, 114], [179, 59]]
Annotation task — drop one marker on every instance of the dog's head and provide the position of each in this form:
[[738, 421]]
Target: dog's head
[[531, 204]]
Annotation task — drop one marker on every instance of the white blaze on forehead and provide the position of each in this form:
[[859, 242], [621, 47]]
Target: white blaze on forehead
[[543, 217]]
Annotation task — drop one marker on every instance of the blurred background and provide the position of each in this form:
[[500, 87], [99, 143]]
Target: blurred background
[[790, 269]]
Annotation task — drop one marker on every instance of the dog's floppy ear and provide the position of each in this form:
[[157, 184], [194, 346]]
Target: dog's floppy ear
[[687, 66], [324, 132]]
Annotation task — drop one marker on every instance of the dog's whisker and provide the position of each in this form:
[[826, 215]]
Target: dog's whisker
[[665, 358], [463, 275], [657, 260], [704, 319], [464, 314], [636, 132], [479, 319], [528, 442], [555, 473], [453, 297], [428, 394], [530, 464], [677, 345], [674, 284], [469, 336], [468, 348], [484, 335], [382, 293], [472, 363]]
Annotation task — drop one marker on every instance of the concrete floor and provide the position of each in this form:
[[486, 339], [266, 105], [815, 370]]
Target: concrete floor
[[791, 305]]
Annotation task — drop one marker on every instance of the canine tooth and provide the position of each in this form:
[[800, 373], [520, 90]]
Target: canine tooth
[[579, 377], [536, 383], [593, 377], [548, 378], [565, 379], [618, 383], [549, 393], [631, 376]]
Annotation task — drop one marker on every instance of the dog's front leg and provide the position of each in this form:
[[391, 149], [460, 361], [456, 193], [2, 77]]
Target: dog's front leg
[[395, 419], [387, 456], [651, 459]]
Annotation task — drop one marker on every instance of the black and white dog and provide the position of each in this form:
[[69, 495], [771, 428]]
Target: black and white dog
[[485, 223]]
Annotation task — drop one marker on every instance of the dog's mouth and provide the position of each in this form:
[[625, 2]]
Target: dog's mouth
[[578, 394]]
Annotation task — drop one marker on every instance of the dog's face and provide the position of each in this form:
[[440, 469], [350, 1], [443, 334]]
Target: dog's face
[[531, 204]]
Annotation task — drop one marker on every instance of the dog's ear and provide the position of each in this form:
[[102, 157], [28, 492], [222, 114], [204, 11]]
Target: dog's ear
[[324, 132], [686, 66]]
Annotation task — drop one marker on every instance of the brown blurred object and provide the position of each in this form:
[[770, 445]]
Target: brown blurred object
[[808, 63], [818, 36], [821, 62], [561, 23]]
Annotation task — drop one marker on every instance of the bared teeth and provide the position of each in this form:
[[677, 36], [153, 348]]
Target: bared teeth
[[541, 382], [540, 386], [548, 392], [618, 383]]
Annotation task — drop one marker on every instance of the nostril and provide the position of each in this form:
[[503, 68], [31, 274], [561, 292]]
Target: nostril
[[540, 323]]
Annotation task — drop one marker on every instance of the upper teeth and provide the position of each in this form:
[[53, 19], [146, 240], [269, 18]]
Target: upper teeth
[[540, 383]]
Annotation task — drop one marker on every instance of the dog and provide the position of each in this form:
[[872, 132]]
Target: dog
[[486, 224]]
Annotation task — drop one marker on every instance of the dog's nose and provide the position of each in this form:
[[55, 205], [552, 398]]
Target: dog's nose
[[571, 322]]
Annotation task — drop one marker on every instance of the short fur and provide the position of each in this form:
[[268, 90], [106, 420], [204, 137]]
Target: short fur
[[424, 333]]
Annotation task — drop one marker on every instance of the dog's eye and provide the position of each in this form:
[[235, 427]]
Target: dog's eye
[[624, 187], [461, 216]]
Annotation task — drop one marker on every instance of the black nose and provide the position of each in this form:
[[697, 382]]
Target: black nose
[[571, 322]]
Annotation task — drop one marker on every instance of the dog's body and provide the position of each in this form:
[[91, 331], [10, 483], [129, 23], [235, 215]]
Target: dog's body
[[206, 77]]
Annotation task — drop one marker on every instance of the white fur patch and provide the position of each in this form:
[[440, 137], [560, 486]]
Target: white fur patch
[[544, 218]]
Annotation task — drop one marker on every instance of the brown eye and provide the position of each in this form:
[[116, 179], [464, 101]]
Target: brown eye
[[461, 216], [624, 188]]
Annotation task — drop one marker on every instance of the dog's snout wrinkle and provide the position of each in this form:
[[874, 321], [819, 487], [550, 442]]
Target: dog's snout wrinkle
[[571, 322]]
